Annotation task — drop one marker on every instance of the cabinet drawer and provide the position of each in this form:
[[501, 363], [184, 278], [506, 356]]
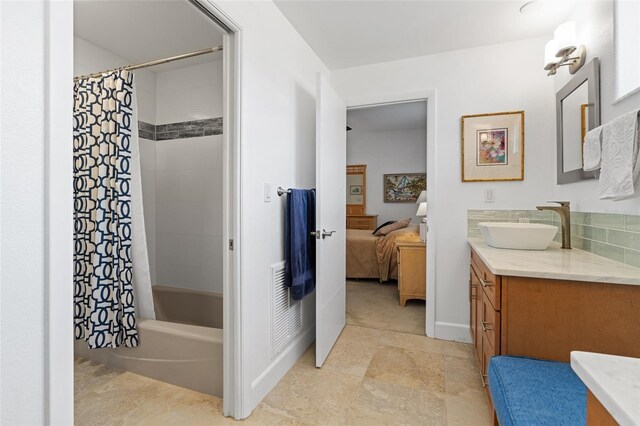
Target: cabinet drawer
[[489, 322], [491, 284], [360, 221]]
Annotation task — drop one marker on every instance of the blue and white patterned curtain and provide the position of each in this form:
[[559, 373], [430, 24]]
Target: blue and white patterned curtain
[[102, 140]]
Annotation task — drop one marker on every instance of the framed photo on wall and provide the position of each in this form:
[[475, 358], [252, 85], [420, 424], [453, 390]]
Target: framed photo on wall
[[493, 147], [403, 187]]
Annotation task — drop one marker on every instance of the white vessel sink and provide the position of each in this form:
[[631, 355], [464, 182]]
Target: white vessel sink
[[518, 236]]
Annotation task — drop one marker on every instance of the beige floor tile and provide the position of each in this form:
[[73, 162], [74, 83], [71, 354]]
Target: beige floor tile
[[415, 369], [379, 403], [313, 396], [461, 375], [108, 396], [374, 305], [463, 350], [353, 351], [265, 415], [469, 408], [411, 341]]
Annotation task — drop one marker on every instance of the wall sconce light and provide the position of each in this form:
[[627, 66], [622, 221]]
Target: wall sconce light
[[563, 50]]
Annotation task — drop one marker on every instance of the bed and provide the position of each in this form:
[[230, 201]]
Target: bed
[[369, 256]]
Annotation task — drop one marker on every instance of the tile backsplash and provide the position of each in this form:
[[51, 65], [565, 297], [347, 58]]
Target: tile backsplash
[[614, 236]]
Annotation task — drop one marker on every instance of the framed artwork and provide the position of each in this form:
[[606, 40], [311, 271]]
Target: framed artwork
[[404, 187], [355, 189], [493, 147]]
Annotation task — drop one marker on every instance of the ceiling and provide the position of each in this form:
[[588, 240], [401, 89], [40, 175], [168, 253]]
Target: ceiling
[[352, 33], [401, 116], [142, 31]]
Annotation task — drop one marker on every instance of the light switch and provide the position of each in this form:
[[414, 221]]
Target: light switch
[[267, 192], [489, 195]]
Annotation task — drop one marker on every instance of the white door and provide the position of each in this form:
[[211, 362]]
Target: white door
[[331, 162]]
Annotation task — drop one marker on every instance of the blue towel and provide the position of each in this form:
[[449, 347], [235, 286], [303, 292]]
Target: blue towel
[[299, 244]]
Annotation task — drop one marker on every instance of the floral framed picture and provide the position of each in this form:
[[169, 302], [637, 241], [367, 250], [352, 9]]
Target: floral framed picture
[[493, 147], [403, 187]]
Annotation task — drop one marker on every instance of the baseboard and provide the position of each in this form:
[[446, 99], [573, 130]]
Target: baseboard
[[270, 377], [454, 332]]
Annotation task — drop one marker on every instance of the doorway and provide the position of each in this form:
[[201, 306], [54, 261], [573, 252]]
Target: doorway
[[189, 170], [430, 98], [386, 175]]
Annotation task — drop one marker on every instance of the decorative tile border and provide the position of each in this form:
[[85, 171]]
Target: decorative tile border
[[182, 130], [614, 236]]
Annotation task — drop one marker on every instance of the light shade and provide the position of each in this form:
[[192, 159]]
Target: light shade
[[422, 209], [565, 38], [422, 198], [550, 50]]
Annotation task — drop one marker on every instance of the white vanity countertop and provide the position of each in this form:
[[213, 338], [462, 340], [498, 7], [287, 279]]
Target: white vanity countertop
[[555, 263], [614, 380]]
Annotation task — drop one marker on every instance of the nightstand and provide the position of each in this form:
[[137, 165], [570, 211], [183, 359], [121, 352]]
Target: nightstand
[[362, 221], [412, 270]]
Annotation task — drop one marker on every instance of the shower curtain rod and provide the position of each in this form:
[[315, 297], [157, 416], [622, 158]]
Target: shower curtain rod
[[152, 63]]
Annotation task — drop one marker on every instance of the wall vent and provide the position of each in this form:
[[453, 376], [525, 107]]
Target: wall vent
[[286, 313]]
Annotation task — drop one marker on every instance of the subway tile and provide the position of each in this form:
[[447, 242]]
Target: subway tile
[[577, 242], [146, 127], [581, 218], [609, 221], [190, 133], [632, 258], [630, 240], [632, 223], [592, 233], [608, 251], [166, 136]]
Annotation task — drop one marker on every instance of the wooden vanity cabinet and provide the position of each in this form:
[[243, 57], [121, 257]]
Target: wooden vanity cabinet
[[549, 318]]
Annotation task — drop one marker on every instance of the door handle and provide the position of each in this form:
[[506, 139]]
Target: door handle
[[326, 234], [315, 234]]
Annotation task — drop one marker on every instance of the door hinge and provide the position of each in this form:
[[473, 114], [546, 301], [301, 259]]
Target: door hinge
[[231, 245]]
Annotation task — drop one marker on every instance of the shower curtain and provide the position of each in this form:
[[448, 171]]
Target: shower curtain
[[112, 284]]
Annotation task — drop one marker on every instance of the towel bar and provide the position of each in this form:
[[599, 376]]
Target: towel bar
[[281, 191]]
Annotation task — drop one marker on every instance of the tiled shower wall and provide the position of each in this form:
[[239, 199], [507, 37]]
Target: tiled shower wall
[[188, 177], [614, 236]]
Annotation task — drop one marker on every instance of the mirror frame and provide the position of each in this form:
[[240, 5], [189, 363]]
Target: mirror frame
[[590, 73], [358, 169]]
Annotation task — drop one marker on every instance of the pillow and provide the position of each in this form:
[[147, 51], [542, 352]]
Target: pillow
[[393, 227], [383, 225]]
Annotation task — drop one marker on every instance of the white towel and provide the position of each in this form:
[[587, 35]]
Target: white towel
[[592, 150], [620, 164]]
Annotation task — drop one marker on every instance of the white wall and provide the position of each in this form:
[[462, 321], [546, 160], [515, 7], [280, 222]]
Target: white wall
[[36, 251], [189, 181], [278, 147], [397, 151], [594, 25], [189, 93], [469, 81]]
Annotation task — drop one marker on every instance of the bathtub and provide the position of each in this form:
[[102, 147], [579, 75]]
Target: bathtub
[[183, 346]]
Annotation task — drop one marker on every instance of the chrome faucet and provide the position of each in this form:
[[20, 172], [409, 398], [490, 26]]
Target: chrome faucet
[[564, 211]]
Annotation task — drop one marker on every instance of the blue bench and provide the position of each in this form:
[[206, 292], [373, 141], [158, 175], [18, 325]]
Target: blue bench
[[527, 391]]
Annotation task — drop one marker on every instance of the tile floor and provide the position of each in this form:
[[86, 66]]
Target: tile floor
[[371, 377], [374, 305]]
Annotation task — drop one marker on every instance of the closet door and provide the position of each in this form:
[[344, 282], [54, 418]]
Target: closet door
[[331, 161]]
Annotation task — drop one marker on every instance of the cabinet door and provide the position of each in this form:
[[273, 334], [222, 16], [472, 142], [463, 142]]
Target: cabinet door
[[473, 295]]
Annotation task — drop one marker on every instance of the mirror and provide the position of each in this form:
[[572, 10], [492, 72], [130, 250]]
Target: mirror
[[577, 112], [356, 189]]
